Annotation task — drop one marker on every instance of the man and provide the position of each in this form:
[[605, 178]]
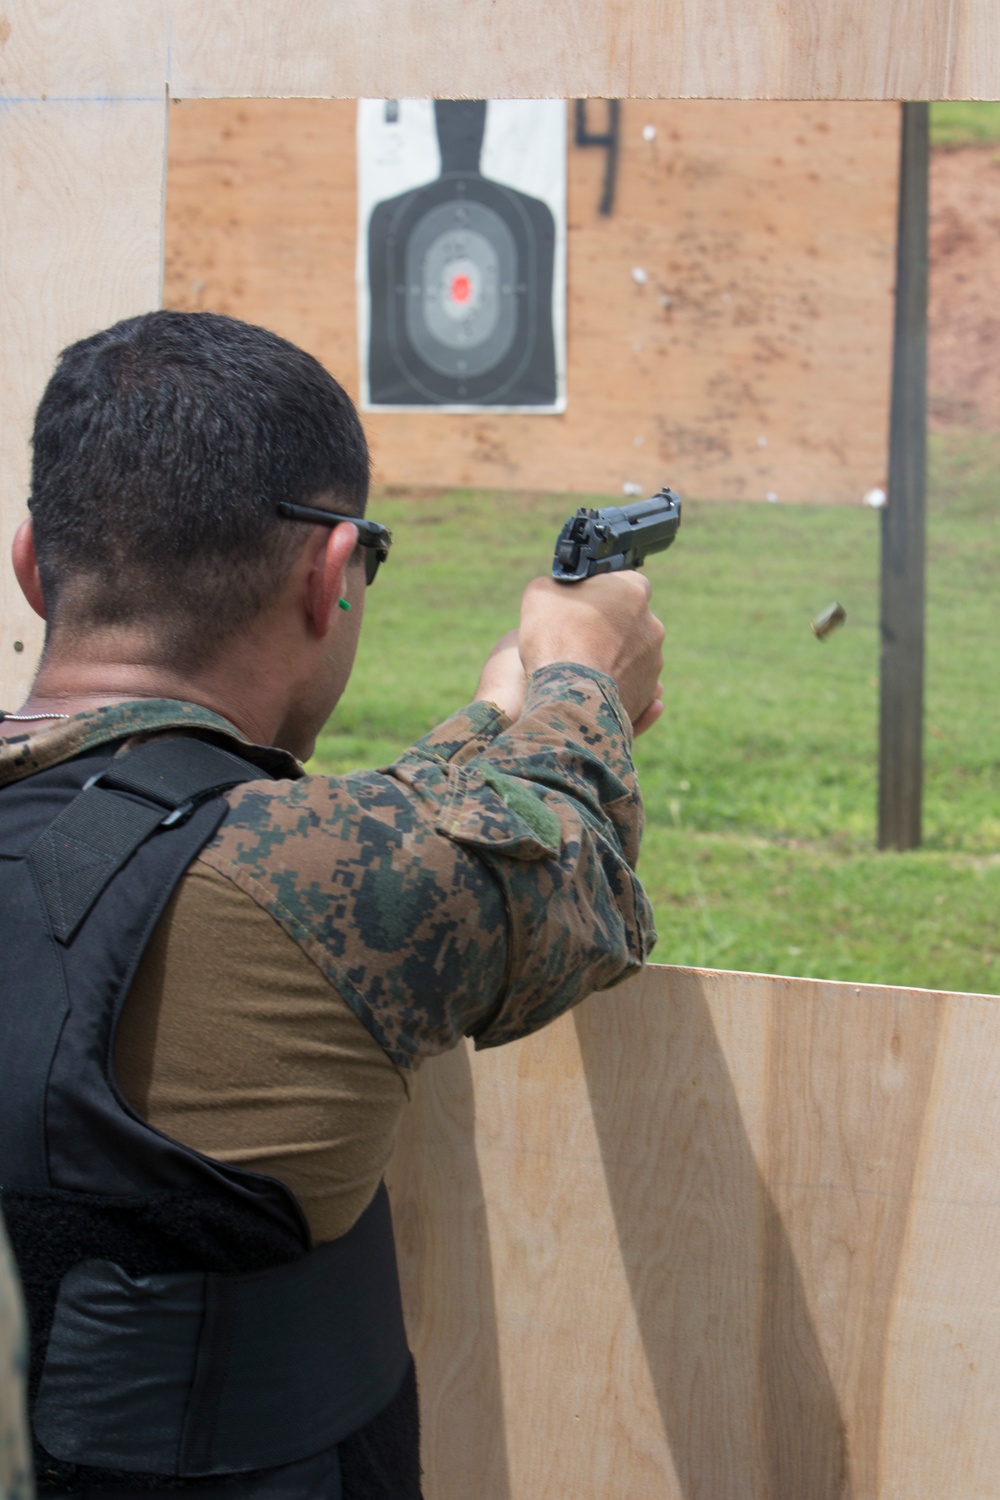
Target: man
[[223, 972], [15, 1474]]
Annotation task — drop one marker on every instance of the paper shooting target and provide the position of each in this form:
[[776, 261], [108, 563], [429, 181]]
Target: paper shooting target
[[461, 300]]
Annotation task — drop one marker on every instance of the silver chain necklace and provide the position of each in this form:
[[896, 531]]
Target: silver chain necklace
[[25, 718]]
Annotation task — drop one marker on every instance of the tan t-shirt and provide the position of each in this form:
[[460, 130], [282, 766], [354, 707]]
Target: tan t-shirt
[[232, 1041]]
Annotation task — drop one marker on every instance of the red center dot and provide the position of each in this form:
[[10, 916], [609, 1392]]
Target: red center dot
[[461, 287]]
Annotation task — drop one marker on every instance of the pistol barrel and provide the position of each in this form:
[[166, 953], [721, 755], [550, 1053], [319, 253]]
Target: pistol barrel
[[615, 537]]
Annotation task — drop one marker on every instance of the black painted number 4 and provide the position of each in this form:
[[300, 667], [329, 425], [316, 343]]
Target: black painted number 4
[[609, 140]]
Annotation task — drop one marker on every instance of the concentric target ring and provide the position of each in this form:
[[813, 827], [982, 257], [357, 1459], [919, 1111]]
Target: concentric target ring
[[461, 289]]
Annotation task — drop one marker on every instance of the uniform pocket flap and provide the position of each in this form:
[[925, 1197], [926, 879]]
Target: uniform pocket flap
[[489, 810]]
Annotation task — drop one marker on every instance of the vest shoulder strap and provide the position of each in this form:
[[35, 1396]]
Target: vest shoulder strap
[[156, 786]]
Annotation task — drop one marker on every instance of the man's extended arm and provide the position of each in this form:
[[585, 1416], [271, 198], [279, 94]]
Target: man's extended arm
[[480, 885], [485, 881], [552, 807]]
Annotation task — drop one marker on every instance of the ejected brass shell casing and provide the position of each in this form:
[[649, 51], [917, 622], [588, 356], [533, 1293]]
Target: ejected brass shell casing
[[827, 621]]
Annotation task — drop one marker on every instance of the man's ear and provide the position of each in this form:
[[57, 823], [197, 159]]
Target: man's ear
[[26, 567], [327, 575]]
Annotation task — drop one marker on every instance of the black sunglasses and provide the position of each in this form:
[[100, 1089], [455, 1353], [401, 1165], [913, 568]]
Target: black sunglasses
[[375, 539]]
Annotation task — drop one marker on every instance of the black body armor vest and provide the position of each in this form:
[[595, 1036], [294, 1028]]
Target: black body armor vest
[[184, 1334]]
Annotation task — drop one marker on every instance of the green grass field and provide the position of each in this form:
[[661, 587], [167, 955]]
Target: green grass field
[[964, 123], [760, 779]]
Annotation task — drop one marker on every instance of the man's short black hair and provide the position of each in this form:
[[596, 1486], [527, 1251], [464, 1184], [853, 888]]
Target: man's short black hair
[[161, 449]]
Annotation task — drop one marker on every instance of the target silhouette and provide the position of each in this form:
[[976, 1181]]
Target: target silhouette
[[460, 279]]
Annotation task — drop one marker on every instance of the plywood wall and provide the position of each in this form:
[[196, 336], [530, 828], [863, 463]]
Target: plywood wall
[[812, 49], [729, 324], [713, 1237], [81, 217]]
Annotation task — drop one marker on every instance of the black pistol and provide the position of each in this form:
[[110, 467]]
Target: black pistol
[[618, 536]]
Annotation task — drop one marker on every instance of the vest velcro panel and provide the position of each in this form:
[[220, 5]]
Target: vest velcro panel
[[200, 1373]]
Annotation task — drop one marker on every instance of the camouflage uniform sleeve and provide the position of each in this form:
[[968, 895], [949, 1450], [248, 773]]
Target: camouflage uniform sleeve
[[15, 1472], [462, 737], [578, 918], [478, 886]]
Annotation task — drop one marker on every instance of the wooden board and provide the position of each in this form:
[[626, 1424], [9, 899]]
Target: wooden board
[[57, 50], [81, 215], [853, 49], [840, 49], [751, 355], [713, 1237]]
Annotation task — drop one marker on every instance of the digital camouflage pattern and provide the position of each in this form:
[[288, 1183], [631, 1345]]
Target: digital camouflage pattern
[[15, 1471], [31, 747], [480, 885]]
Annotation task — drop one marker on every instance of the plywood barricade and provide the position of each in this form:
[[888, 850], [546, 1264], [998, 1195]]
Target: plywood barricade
[[80, 246], [712, 1237], [349, 49], [729, 324]]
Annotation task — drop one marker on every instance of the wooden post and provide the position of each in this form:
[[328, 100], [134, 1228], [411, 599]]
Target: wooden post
[[903, 520]]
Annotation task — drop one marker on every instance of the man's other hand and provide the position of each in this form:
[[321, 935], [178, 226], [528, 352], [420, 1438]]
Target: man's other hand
[[502, 678], [604, 623]]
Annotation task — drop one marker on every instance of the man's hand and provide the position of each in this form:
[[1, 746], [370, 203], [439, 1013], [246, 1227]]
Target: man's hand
[[502, 678], [604, 623]]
